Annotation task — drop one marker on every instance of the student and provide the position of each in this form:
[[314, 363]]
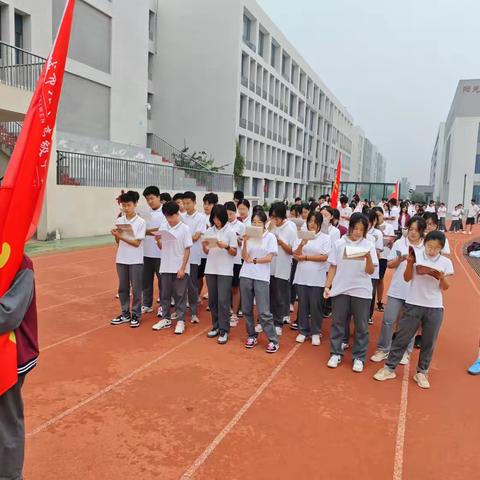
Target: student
[[174, 268], [432, 224], [431, 207], [310, 278], [334, 232], [295, 212], [345, 212], [472, 213], [298, 201], [397, 293], [456, 222], [18, 314], [239, 229], [254, 283], [423, 307], [197, 223], [392, 213], [376, 237], [178, 199], [238, 196], [336, 222], [442, 215], [165, 197], [151, 253], [243, 209], [281, 266], [129, 261], [404, 217], [350, 287], [305, 211], [219, 272], [412, 209]]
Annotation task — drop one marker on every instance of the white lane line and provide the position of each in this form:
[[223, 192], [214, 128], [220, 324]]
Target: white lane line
[[76, 300], [71, 279], [233, 422], [73, 337], [110, 387]]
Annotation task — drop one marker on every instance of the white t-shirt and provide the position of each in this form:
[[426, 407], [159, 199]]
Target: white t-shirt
[[388, 231], [446, 248], [399, 287], [313, 274], [424, 290], [128, 254], [457, 213], [197, 222], [351, 277], [411, 210], [472, 211], [239, 229], [247, 221], [282, 262], [260, 249], [394, 212], [219, 261], [345, 212], [376, 237], [442, 212], [173, 250], [430, 209], [402, 221], [150, 247], [334, 233]]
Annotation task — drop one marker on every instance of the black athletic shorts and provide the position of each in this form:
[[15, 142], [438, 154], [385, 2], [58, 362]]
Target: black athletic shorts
[[470, 220], [201, 268], [236, 274], [383, 266]]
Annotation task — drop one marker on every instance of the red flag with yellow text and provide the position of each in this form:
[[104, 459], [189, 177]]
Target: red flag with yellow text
[[336, 185]]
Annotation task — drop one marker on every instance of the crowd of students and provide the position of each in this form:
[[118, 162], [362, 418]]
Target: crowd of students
[[256, 264]]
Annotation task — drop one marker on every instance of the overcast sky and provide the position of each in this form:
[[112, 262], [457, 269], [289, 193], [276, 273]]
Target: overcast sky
[[395, 65]]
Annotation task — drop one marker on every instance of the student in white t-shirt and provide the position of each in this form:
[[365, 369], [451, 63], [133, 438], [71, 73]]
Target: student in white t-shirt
[[243, 210], [175, 243], [456, 225], [310, 278], [432, 224], [442, 215], [397, 293], [255, 277], [197, 223], [345, 212], [350, 286], [431, 207], [239, 229], [151, 253], [178, 199], [429, 274], [327, 225], [376, 237], [129, 260], [281, 266], [219, 271], [412, 209], [472, 213], [392, 213]]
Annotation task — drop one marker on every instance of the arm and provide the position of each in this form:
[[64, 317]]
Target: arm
[[369, 266], [395, 262], [285, 247], [133, 243], [16, 301], [267, 259], [408, 275], [196, 236], [328, 284], [186, 257], [299, 249]]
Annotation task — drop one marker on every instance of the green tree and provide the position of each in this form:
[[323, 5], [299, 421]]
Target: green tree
[[417, 197], [239, 164]]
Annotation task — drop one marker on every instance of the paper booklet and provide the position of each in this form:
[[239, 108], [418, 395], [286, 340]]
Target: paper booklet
[[355, 253], [165, 235], [426, 269], [388, 239], [211, 240], [125, 230], [254, 232], [305, 235]]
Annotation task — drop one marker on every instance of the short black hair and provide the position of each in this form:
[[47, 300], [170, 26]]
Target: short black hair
[[372, 217], [177, 196], [336, 213], [436, 235], [245, 203], [313, 205], [238, 195], [420, 221], [358, 218], [321, 197], [170, 208], [393, 201], [129, 196], [230, 206], [279, 210], [379, 209], [328, 209], [151, 191], [256, 208], [343, 199], [318, 218], [219, 211], [190, 196], [262, 216], [165, 197], [431, 216], [293, 208], [305, 206], [297, 199], [210, 198]]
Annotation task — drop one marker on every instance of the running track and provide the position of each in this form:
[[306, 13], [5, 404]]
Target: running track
[[115, 403]]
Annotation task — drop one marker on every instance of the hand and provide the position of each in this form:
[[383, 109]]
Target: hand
[[222, 244], [151, 231], [298, 258], [115, 233], [438, 275], [280, 242], [248, 259], [246, 238], [304, 242], [411, 259], [390, 243], [181, 273], [367, 256], [326, 293]]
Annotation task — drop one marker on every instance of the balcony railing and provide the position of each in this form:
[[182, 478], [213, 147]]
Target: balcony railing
[[9, 133], [243, 122], [244, 81], [19, 68]]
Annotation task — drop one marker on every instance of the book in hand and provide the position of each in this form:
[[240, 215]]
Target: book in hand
[[211, 240], [411, 251], [165, 235], [426, 270], [355, 253], [254, 232], [125, 230], [305, 235]]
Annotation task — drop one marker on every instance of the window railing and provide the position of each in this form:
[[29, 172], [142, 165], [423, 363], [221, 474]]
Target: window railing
[[19, 68], [244, 81], [9, 133]]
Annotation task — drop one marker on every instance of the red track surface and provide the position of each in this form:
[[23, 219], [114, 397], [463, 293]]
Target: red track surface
[[115, 403]]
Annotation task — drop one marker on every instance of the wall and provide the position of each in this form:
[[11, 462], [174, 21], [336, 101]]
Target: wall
[[13, 103], [3, 163]]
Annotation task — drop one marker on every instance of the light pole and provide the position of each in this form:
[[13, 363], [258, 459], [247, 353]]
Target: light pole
[[464, 185]]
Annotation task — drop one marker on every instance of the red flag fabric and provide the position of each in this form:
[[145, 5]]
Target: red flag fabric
[[8, 362], [336, 185], [395, 193], [23, 187]]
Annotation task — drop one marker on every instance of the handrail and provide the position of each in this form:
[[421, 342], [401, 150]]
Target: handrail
[[23, 51]]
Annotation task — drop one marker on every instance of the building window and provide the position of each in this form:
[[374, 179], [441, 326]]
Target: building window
[[151, 25], [273, 60], [261, 44], [477, 163], [247, 28], [19, 31]]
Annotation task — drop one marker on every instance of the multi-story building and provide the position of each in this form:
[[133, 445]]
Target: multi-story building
[[456, 158], [357, 154]]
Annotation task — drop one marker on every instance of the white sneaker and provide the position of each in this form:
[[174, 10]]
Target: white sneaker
[[345, 346], [292, 309], [147, 310], [279, 331], [334, 361], [160, 312], [422, 380], [379, 356], [357, 366], [258, 328], [233, 320], [160, 325], [316, 340], [300, 338], [405, 359], [194, 319], [286, 319], [180, 327], [174, 316], [205, 297], [384, 374]]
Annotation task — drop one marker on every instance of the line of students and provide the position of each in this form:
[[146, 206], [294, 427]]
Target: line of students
[[181, 245]]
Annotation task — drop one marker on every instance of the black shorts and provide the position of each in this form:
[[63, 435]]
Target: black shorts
[[383, 267], [236, 274], [470, 220], [201, 268]]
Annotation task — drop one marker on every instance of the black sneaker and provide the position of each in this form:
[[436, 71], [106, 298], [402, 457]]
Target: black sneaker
[[213, 333], [134, 322], [294, 326], [222, 338], [123, 318], [370, 321], [327, 314], [380, 307], [418, 341]]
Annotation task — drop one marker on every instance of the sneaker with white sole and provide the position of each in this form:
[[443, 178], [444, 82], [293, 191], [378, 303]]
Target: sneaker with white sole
[[316, 340], [240, 314], [250, 342], [147, 310], [422, 380], [279, 331], [160, 312], [300, 338], [294, 326], [286, 319], [405, 359], [345, 346], [272, 347], [222, 338], [158, 300], [194, 319], [213, 333], [233, 320], [292, 308], [258, 328], [123, 318], [370, 321], [384, 374], [379, 356], [180, 327], [334, 361], [174, 316], [161, 324], [205, 297], [357, 366], [134, 322]]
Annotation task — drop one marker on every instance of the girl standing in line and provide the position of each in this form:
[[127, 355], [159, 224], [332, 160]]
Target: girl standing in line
[[376, 237]]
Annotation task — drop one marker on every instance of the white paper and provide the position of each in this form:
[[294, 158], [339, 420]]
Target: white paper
[[355, 252], [306, 235], [254, 232], [165, 235], [126, 231]]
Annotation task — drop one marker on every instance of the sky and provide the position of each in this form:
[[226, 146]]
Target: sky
[[394, 65]]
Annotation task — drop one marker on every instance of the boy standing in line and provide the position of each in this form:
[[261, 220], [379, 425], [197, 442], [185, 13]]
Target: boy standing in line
[[472, 213], [209, 201]]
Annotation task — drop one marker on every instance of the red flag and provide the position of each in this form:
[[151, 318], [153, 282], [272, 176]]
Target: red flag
[[23, 187], [394, 193], [336, 185]]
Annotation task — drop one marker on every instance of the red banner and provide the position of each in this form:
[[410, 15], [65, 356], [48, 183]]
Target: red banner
[[395, 193], [23, 187], [336, 185]]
